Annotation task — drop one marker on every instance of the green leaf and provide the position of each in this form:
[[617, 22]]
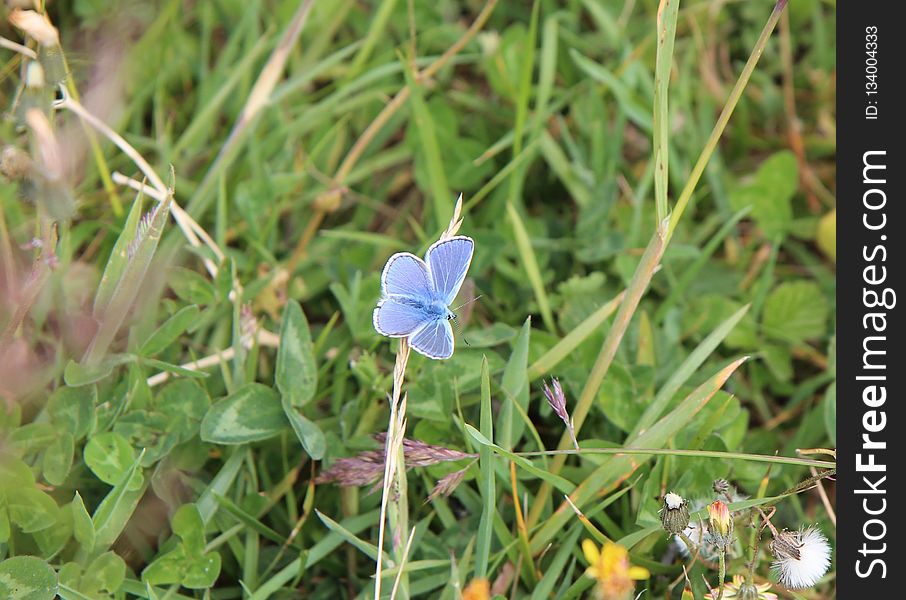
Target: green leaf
[[191, 286], [119, 257], [166, 569], [140, 251], [487, 486], [779, 174], [296, 373], [14, 472], [51, 540], [78, 374], [184, 403], [82, 527], [27, 578], [515, 388], [308, 432], [201, 573], [170, 330], [251, 413], [771, 193], [5, 528], [106, 572], [109, 455], [32, 437], [779, 360], [187, 524], [795, 311], [72, 409], [114, 511], [31, 509], [423, 122], [58, 458]]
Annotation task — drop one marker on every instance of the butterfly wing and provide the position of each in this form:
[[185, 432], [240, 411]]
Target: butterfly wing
[[448, 261], [406, 275], [434, 340], [395, 317]]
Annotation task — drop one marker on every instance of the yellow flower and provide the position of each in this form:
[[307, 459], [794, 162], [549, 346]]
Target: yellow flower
[[610, 567], [478, 589], [738, 588]]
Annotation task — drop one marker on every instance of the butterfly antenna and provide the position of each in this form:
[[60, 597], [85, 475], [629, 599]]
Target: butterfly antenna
[[457, 327], [468, 302]]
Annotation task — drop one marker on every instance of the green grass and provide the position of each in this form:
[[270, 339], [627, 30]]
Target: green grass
[[650, 190]]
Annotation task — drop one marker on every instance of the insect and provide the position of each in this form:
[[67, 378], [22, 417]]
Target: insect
[[417, 295]]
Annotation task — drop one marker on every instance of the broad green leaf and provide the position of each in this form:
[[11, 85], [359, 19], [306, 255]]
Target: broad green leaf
[[187, 524], [795, 311], [32, 437], [308, 432], [82, 527], [51, 540], [27, 578], [201, 573], [57, 459], [779, 360], [191, 286], [184, 403], [780, 174], [70, 575], [251, 413], [296, 373], [170, 330], [31, 509], [167, 569], [106, 572], [109, 455], [14, 472], [770, 194], [72, 409], [186, 564]]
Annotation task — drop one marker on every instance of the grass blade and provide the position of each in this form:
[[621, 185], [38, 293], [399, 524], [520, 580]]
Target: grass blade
[[685, 371], [139, 253], [515, 386], [666, 32], [487, 484]]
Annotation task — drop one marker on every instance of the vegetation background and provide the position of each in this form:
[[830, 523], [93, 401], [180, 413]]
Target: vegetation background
[[312, 140]]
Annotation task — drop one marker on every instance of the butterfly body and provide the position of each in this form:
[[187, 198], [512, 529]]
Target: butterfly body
[[417, 295]]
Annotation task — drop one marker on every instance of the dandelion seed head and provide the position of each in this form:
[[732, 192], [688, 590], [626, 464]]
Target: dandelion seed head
[[801, 557], [673, 500]]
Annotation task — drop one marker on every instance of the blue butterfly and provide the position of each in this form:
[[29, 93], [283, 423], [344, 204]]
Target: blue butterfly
[[418, 294]]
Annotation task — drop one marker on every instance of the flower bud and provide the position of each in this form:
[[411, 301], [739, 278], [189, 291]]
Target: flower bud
[[674, 513], [720, 486], [720, 524]]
